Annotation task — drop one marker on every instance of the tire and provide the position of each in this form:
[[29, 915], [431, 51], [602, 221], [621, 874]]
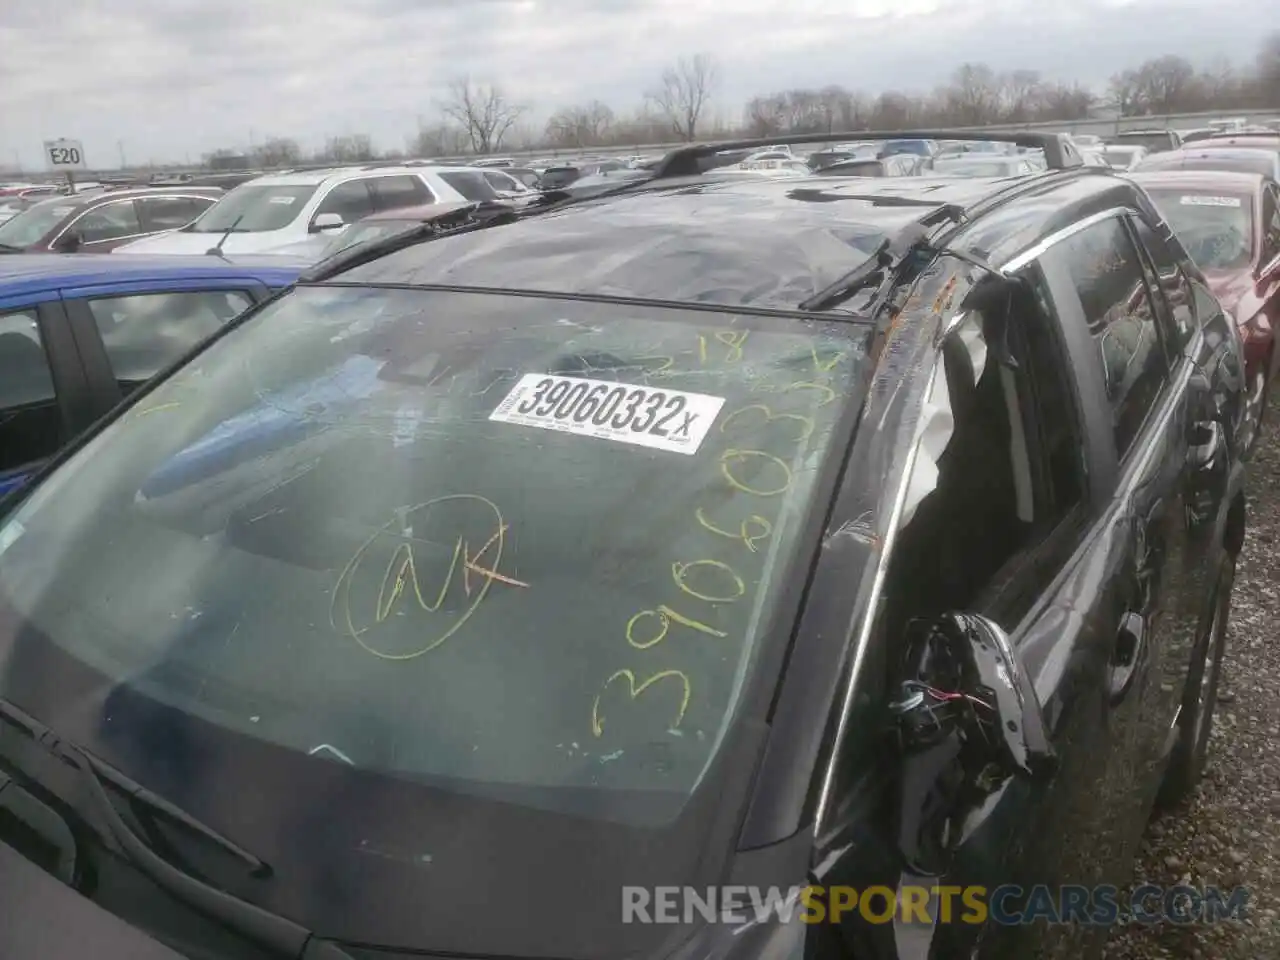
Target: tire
[[1200, 696], [1261, 412]]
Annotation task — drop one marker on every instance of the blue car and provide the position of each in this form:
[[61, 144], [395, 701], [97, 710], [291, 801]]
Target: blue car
[[78, 334]]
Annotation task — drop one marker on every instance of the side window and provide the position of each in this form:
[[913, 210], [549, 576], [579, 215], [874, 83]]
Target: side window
[[350, 201], [1108, 278], [392, 193], [1270, 224], [170, 213], [472, 186], [499, 181], [30, 423], [1002, 515], [111, 221], [143, 333], [1173, 283]]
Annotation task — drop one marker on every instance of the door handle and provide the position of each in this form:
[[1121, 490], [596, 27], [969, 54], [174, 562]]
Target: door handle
[[1127, 655]]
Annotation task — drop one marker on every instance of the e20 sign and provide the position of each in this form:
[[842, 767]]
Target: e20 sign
[[64, 154]]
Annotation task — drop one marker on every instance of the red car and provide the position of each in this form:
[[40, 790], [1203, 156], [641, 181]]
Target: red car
[[1230, 225], [99, 221]]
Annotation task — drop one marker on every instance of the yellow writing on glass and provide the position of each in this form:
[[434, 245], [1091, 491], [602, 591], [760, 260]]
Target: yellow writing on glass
[[636, 689], [744, 529], [768, 416], [732, 456], [680, 571], [400, 576], [664, 616]]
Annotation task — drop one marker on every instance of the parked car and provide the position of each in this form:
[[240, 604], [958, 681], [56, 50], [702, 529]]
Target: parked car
[[842, 151], [1124, 156], [79, 333], [976, 165], [379, 225], [102, 221], [898, 165], [944, 555], [525, 175], [1205, 157], [919, 148], [1156, 141], [1230, 225], [277, 210]]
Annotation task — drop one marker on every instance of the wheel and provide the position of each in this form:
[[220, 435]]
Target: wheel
[[1200, 696]]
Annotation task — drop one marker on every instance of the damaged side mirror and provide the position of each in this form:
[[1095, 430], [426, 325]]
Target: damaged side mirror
[[967, 720]]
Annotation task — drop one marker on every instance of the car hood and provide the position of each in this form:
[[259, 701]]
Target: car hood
[[182, 242]]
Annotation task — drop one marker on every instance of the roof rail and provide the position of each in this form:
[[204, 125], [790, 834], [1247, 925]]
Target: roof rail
[[1059, 152]]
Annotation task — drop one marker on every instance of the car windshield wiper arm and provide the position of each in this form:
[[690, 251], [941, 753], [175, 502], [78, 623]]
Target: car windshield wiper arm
[[134, 791], [272, 931], [10, 248]]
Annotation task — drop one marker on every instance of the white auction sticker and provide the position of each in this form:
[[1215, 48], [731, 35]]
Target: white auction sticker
[[662, 419], [1212, 201]]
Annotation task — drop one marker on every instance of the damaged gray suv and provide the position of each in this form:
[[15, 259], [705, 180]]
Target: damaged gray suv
[[871, 535]]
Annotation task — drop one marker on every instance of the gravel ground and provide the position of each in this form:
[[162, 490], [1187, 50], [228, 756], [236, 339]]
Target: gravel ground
[[1229, 833]]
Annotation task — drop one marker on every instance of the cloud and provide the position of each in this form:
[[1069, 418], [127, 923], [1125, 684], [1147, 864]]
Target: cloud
[[167, 80]]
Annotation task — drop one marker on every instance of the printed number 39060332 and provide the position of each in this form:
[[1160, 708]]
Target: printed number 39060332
[[618, 407]]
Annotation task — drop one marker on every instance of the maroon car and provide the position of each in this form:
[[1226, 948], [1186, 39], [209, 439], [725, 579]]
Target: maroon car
[[1230, 224], [99, 221]]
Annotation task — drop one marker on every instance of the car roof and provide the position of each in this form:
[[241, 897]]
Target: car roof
[[759, 242], [1245, 140], [1229, 180], [37, 272], [313, 178]]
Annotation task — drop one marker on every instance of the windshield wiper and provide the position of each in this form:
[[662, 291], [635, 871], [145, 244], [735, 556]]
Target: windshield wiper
[[132, 790], [272, 931], [10, 248]]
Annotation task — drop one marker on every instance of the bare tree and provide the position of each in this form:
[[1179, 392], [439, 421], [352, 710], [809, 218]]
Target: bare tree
[[974, 95], [351, 148], [580, 126], [1124, 92], [277, 152], [684, 91], [1268, 71], [1167, 84], [1065, 102], [439, 140], [1020, 92], [483, 111]]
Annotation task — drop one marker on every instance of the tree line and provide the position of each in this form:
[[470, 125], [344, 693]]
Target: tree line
[[482, 117]]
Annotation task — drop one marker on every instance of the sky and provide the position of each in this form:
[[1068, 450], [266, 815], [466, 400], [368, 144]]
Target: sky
[[168, 80]]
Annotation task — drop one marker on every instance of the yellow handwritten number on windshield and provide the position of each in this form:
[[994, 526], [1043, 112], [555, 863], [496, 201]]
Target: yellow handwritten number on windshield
[[401, 576], [732, 455], [680, 571], [634, 689], [806, 423], [664, 615], [744, 530]]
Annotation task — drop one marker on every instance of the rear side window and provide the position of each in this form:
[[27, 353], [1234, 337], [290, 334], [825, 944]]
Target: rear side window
[[1108, 278], [392, 193], [30, 424], [472, 186], [170, 213], [351, 201], [111, 221], [144, 333]]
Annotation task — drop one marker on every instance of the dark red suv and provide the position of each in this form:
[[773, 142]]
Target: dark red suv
[[99, 221]]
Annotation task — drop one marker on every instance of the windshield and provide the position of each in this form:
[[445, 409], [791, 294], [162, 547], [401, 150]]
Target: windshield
[[1217, 231], [253, 208], [33, 224], [517, 551]]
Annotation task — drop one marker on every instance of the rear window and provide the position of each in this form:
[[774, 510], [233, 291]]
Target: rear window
[[253, 208], [1153, 141], [33, 224], [1215, 228], [467, 539]]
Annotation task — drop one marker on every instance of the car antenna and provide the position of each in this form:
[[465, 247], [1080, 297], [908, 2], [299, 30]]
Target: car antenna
[[216, 250]]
